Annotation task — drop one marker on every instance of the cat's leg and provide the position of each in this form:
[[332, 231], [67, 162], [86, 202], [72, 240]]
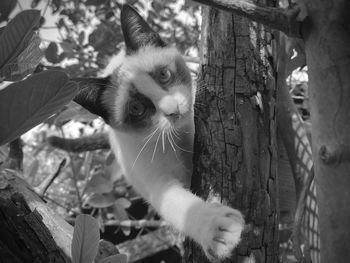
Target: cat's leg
[[215, 227]]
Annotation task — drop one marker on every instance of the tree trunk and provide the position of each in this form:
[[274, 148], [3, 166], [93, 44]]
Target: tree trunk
[[326, 32], [235, 142]]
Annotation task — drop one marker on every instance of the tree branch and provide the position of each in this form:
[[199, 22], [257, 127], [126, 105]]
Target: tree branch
[[284, 20], [137, 223], [42, 188], [148, 244]]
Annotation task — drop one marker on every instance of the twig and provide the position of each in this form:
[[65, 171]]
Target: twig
[[299, 215], [47, 5], [284, 20], [19, 5], [137, 223], [60, 205], [42, 188], [148, 244], [74, 175]]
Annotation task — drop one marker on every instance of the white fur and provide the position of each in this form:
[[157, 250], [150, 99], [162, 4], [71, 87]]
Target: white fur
[[158, 162]]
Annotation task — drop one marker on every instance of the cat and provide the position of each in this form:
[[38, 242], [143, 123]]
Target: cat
[[147, 101]]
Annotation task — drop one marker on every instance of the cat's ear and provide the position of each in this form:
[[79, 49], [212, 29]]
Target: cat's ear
[[92, 96], [137, 33]]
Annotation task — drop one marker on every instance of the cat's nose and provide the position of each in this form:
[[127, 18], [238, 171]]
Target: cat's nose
[[174, 114]]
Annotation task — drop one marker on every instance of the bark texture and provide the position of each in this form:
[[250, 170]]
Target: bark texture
[[326, 32], [235, 142], [29, 231]]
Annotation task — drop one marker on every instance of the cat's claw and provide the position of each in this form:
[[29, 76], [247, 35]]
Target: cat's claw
[[223, 233]]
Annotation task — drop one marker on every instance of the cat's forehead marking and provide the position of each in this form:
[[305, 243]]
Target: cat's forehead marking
[[149, 58]]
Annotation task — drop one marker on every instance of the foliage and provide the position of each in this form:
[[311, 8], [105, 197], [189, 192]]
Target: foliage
[[91, 31], [27, 103], [85, 242]]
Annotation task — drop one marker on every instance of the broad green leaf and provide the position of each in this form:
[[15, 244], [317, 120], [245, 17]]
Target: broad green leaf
[[123, 202], [26, 62], [119, 212], [27, 103], [100, 200], [115, 259], [99, 184], [17, 34], [86, 236], [51, 53], [121, 215], [6, 7]]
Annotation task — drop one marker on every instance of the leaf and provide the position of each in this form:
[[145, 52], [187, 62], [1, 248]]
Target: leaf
[[86, 236], [110, 158], [100, 200], [119, 212], [17, 35], [115, 259], [81, 37], [125, 203], [6, 7], [99, 184], [95, 2], [51, 53], [27, 103], [26, 62], [74, 112], [67, 48]]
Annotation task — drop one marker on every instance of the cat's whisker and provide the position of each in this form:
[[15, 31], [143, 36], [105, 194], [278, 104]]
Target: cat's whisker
[[175, 132], [182, 149], [143, 147], [155, 147], [163, 140], [151, 134], [172, 138], [169, 139]]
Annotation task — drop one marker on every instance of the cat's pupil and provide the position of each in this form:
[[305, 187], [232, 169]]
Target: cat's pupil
[[164, 75], [136, 108]]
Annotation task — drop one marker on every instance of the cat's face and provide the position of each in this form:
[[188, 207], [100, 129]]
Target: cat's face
[[149, 86], [153, 89]]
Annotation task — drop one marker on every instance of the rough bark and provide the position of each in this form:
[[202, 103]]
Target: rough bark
[[235, 141], [326, 32], [29, 230]]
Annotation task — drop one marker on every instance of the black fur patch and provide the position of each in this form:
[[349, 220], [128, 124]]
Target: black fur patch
[[137, 33], [132, 122], [90, 95]]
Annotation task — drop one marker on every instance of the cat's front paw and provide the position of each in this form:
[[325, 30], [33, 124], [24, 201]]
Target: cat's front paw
[[222, 233]]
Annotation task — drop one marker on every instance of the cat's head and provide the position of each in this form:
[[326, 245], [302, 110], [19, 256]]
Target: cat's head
[[149, 85]]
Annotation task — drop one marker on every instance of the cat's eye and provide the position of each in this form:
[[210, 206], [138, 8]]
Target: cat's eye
[[164, 75], [136, 108]]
